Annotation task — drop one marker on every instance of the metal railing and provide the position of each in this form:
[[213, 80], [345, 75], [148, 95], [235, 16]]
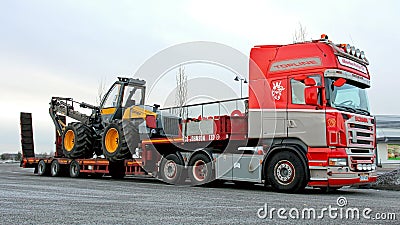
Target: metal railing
[[207, 109]]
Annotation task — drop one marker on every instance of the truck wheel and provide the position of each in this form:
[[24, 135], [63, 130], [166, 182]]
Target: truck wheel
[[77, 141], [116, 169], [172, 170], [43, 169], [286, 173], [55, 168], [200, 170], [74, 169], [114, 143]]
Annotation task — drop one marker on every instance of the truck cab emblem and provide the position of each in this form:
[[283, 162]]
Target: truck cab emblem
[[277, 89]]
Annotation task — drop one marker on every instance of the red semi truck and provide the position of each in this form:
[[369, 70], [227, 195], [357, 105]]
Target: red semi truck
[[306, 122]]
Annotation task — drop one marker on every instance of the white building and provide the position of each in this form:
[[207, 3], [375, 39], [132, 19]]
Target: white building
[[388, 141]]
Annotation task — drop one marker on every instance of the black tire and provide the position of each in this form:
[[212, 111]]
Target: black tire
[[43, 169], [55, 168], [172, 170], [116, 169], [97, 146], [114, 144], [77, 141], [131, 134], [74, 169], [200, 170], [286, 172]]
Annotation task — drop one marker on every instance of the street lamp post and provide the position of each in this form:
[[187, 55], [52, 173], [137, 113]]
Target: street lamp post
[[242, 81]]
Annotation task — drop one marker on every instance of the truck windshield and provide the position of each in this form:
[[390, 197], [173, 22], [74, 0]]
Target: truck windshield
[[348, 97]]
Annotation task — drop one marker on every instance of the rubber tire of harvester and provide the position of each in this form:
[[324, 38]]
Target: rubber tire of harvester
[[131, 134], [209, 176], [83, 147], [122, 152], [43, 168], [55, 168], [181, 173], [97, 149], [116, 170], [299, 182]]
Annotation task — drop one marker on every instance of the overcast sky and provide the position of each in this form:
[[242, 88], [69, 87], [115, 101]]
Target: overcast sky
[[66, 48]]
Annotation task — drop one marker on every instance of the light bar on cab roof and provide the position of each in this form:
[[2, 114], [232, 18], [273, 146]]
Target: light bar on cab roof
[[353, 51]]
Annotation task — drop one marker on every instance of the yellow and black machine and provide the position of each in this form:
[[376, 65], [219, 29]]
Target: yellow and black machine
[[115, 128]]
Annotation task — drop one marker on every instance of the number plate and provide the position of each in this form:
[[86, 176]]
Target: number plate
[[363, 177]]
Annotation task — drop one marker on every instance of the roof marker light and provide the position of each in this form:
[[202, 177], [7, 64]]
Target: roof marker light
[[353, 50], [358, 53], [348, 48], [362, 55]]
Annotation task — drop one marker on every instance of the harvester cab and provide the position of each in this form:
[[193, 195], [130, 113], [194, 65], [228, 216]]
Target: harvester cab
[[124, 93]]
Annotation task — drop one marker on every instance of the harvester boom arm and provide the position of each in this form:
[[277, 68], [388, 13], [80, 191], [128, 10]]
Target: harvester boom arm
[[65, 106]]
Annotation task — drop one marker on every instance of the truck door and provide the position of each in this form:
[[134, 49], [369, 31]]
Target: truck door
[[305, 122], [275, 119]]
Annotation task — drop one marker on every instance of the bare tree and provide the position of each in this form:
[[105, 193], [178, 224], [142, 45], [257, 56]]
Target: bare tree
[[300, 35], [101, 89], [181, 90]]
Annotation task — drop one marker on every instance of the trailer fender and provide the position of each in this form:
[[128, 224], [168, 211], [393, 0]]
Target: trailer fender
[[296, 149]]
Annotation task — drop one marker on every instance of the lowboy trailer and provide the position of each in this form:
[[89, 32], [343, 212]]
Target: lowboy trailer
[[306, 122]]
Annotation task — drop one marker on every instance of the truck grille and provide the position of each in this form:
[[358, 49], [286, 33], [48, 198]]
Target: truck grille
[[360, 135], [170, 125]]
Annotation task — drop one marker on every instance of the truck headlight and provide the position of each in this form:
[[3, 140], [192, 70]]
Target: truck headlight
[[337, 161]]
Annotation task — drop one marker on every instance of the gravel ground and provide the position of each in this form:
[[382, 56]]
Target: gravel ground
[[388, 180], [26, 198]]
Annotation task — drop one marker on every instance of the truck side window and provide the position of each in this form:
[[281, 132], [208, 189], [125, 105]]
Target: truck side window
[[132, 96], [298, 89]]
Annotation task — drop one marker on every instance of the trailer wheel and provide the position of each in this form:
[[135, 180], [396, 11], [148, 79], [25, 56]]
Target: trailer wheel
[[286, 173], [74, 169], [172, 170], [116, 169], [43, 169], [55, 168], [200, 170], [77, 141], [114, 144]]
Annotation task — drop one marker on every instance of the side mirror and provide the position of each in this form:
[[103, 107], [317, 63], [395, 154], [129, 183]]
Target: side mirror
[[339, 82], [309, 82], [311, 95]]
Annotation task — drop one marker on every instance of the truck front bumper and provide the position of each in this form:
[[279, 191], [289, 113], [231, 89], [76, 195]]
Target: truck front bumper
[[340, 176]]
